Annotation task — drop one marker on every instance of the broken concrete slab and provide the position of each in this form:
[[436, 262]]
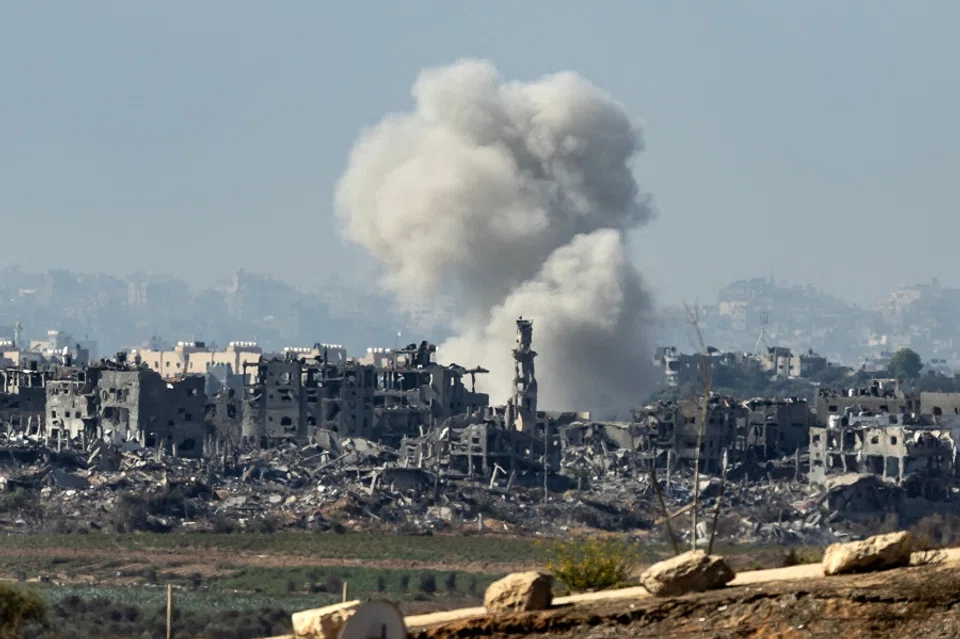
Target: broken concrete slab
[[67, 480]]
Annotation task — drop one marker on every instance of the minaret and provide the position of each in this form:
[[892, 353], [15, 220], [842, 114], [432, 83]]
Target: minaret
[[524, 379]]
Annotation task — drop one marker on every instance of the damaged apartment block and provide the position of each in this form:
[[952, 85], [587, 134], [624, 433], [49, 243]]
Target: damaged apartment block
[[120, 402], [879, 431], [306, 393], [23, 398], [920, 458]]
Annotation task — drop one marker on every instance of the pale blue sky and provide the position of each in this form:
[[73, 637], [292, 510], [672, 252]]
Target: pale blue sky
[[814, 139]]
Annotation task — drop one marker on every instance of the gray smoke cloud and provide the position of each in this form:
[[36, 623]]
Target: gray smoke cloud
[[517, 198]]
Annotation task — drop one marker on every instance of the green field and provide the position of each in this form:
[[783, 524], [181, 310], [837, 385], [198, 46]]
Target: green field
[[328, 546], [244, 585]]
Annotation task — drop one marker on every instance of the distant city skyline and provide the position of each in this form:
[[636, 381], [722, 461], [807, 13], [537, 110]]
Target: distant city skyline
[[813, 140]]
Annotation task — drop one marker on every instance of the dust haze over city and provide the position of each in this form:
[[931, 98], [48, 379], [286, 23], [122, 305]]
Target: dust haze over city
[[310, 300]]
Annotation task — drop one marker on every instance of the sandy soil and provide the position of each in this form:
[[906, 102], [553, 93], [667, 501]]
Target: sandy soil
[[472, 620]]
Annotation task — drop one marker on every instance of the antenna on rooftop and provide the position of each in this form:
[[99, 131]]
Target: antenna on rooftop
[[762, 344]]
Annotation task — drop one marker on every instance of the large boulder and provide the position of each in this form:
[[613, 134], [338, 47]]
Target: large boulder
[[881, 552], [519, 592], [323, 623], [693, 571]]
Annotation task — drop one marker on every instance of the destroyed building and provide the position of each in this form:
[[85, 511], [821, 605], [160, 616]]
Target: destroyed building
[[483, 440], [293, 398], [776, 427], [775, 360], [679, 369], [726, 424], [72, 404], [224, 412], [894, 447], [881, 396], [297, 396], [136, 404], [666, 432], [939, 406], [121, 402], [413, 392], [23, 397]]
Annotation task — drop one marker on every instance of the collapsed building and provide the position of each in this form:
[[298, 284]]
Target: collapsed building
[[23, 397], [776, 427], [398, 439], [123, 403], [746, 432], [897, 448], [295, 397], [485, 440], [306, 397], [414, 392], [883, 432], [191, 401]]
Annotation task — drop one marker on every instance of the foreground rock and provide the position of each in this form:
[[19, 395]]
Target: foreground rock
[[323, 623], [693, 571], [881, 552], [519, 592]]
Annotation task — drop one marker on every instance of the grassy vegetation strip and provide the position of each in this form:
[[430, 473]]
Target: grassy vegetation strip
[[347, 546]]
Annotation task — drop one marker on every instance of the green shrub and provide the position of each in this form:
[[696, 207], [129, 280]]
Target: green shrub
[[802, 557], [334, 583], [130, 514], [266, 525], [450, 582], [428, 583], [18, 607], [586, 564], [223, 525]]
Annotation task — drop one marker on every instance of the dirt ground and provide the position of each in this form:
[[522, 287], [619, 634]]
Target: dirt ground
[[913, 602]]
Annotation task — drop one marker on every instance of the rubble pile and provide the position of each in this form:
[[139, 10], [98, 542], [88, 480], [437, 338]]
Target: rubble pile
[[358, 485]]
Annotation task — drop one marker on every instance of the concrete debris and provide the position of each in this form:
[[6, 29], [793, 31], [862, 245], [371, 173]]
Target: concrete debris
[[519, 592], [359, 485], [397, 442]]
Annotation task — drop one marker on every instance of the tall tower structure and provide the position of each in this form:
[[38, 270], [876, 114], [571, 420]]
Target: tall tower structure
[[524, 378], [762, 345]]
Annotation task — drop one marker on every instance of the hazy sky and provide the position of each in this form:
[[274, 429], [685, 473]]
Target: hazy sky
[[817, 140]]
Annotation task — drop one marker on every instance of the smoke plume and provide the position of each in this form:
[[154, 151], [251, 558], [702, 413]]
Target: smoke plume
[[517, 199]]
